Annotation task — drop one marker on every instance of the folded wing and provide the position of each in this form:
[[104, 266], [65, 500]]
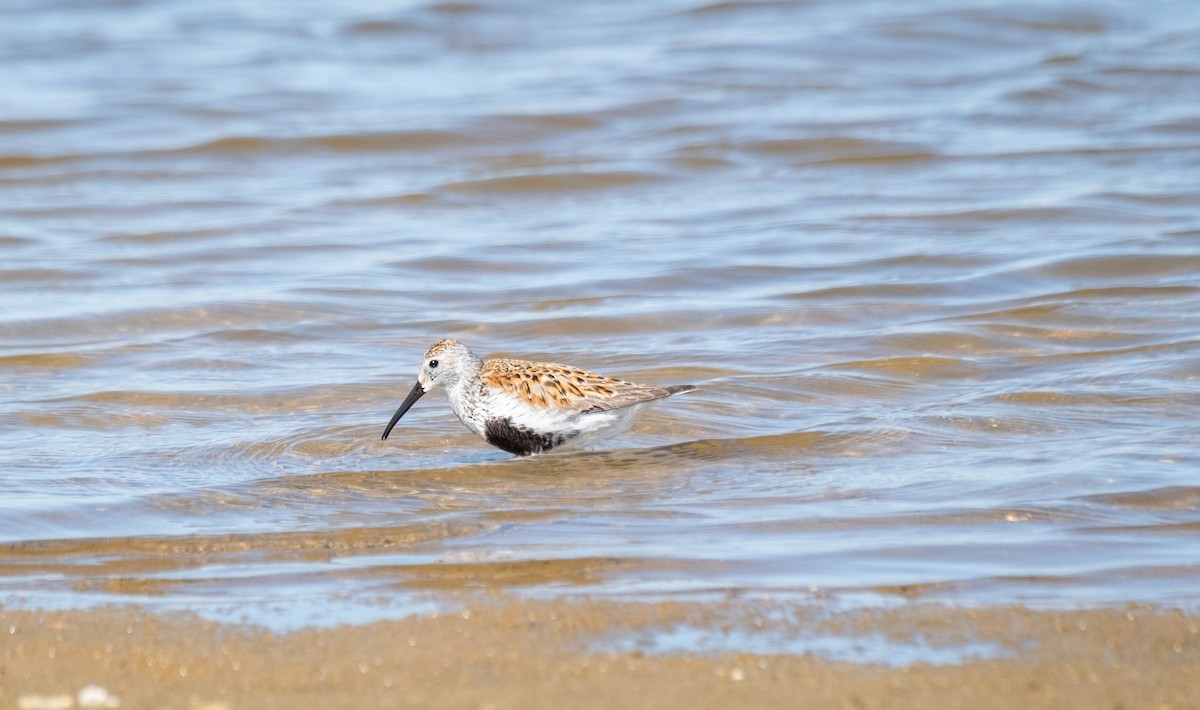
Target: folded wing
[[550, 386]]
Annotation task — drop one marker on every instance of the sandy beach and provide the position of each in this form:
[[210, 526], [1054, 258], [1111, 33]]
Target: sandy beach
[[509, 653]]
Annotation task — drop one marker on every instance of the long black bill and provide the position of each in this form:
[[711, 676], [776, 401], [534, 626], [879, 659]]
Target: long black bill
[[409, 401]]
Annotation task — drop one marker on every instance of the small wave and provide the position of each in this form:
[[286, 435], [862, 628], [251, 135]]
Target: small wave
[[369, 28], [913, 367], [724, 7], [50, 360], [1169, 530], [833, 151], [1166, 499], [555, 182], [399, 141], [187, 551], [1120, 267], [9, 162], [1040, 215], [1105, 400], [487, 574]]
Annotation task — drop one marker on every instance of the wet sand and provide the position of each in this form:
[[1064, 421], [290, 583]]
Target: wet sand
[[506, 653]]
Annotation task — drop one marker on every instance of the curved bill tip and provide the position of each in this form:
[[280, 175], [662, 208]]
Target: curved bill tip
[[409, 401]]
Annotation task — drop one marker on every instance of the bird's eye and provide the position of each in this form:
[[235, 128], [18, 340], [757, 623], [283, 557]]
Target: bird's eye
[[432, 364]]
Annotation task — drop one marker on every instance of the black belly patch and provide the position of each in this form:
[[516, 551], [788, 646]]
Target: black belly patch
[[503, 434]]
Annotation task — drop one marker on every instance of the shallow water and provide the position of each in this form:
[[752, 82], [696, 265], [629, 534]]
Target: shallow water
[[935, 267]]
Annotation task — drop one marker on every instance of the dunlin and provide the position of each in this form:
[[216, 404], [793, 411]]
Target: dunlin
[[529, 407]]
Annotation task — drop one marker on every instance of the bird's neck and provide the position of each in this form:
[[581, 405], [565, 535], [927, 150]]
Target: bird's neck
[[466, 373], [464, 393]]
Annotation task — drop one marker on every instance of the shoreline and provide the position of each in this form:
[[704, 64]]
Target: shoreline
[[501, 652]]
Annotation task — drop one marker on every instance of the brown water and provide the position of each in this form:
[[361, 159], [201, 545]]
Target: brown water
[[935, 266]]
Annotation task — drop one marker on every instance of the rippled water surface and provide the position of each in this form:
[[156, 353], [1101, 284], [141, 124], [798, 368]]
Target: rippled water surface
[[935, 267]]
